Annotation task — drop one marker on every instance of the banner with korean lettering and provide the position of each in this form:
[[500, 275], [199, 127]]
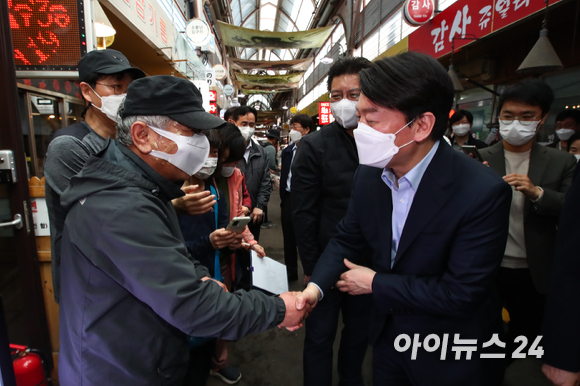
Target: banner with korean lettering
[[468, 19], [324, 114]]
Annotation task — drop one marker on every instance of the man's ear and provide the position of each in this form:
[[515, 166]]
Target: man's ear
[[231, 121], [424, 126], [87, 92], [141, 136]]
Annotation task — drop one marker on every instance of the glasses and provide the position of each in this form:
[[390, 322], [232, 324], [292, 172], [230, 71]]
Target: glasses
[[116, 88], [526, 120], [568, 126], [352, 96], [297, 127]]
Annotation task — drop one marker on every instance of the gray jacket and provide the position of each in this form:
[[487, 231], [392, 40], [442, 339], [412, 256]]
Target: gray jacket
[[131, 293], [257, 174], [552, 170]]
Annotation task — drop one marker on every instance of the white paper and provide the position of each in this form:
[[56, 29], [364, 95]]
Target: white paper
[[268, 274], [40, 217]]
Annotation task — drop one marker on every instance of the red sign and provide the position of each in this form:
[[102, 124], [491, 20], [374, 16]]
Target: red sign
[[212, 95], [467, 19], [418, 12], [47, 35], [324, 115], [213, 108]]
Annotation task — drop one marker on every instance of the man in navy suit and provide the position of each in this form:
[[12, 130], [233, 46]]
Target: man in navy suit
[[301, 125], [437, 224]]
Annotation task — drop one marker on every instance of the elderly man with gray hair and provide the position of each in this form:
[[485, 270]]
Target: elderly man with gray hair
[[131, 291]]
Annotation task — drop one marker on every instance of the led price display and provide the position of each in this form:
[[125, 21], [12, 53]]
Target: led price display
[[47, 34]]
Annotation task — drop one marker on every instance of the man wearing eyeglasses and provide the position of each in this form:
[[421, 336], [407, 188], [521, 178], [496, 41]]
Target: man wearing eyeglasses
[[104, 77], [322, 173], [539, 177]]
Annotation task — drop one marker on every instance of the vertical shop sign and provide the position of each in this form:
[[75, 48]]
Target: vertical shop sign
[[324, 115]]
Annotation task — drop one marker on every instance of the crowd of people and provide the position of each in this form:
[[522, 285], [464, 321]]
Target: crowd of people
[[396, 227]]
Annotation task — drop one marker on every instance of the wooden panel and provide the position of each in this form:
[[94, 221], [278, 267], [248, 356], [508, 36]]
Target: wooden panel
[[54, 372], [36, 187], [43, 248], [50, 304]]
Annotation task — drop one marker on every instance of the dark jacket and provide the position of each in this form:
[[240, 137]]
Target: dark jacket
[[196, 230], [322, 173], [450, 249], [552, 170], [130, 292], [67, 153], [561, 340], [270, 151], [257, 174], [286, 163], [472, 142]]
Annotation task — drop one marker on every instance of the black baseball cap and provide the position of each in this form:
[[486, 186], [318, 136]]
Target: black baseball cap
[[106, 62], [273, 133], [169, 96]]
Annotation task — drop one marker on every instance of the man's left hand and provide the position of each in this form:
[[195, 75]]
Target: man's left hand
[[561, 377], [522, 183], [257, 214], [357, 280]]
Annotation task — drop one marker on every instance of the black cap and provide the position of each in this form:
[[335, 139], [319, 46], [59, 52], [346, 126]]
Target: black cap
[[273, 133], [106, 62], [169, 96]]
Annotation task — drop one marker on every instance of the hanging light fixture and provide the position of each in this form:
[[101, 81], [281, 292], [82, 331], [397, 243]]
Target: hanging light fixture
[[542, 57], [103, 26], [457, 87]]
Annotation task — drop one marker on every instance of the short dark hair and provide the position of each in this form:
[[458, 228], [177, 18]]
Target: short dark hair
[[459, 115], [213, 137], [347, 66], [243, 110], [92, 79], [569, 113], [231, 138], [573, 138], [229, 113], [531, 92], [304, 120], [413, 84]]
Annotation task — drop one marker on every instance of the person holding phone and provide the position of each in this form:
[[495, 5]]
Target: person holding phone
[[461, 123]]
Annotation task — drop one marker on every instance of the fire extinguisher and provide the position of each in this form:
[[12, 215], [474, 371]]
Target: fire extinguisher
[[28, 366]]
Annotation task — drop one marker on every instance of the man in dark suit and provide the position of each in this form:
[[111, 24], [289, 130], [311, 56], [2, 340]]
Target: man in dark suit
[[437, 224], [561, 333], [540, 177], [301, 125]]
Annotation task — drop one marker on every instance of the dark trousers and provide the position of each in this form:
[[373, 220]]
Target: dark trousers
[[321, 328], [255, 229], [200, 359], [290, 248], [393, 368], [524, 304]]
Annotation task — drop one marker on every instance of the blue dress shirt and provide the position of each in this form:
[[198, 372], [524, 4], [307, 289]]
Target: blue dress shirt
[[403, 194]]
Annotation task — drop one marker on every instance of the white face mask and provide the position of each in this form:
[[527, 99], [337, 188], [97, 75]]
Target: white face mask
[[564, 134], [191, 151], [295, 135], [110, 105], [247, 132], [461, 129], [376, 149], [207, 169], [517, 134], [227, 171], [577, 157], [345, 113]]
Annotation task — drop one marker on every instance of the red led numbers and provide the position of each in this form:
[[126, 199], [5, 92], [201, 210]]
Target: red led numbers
[[45, 32]]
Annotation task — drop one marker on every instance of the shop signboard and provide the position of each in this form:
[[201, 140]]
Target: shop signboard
[[324, 115], [213, 108], [210, 77], [466, 20], [204, 90], [198, 32], [418, 12], [212, 95], [220, 71], [47, 36], [228, 90]]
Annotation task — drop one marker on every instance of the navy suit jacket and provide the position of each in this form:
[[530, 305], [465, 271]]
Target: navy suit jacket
[[450, 249], [286, 163]]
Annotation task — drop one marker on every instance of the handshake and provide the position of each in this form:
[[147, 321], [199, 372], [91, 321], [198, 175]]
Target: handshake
[[298, 306]]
